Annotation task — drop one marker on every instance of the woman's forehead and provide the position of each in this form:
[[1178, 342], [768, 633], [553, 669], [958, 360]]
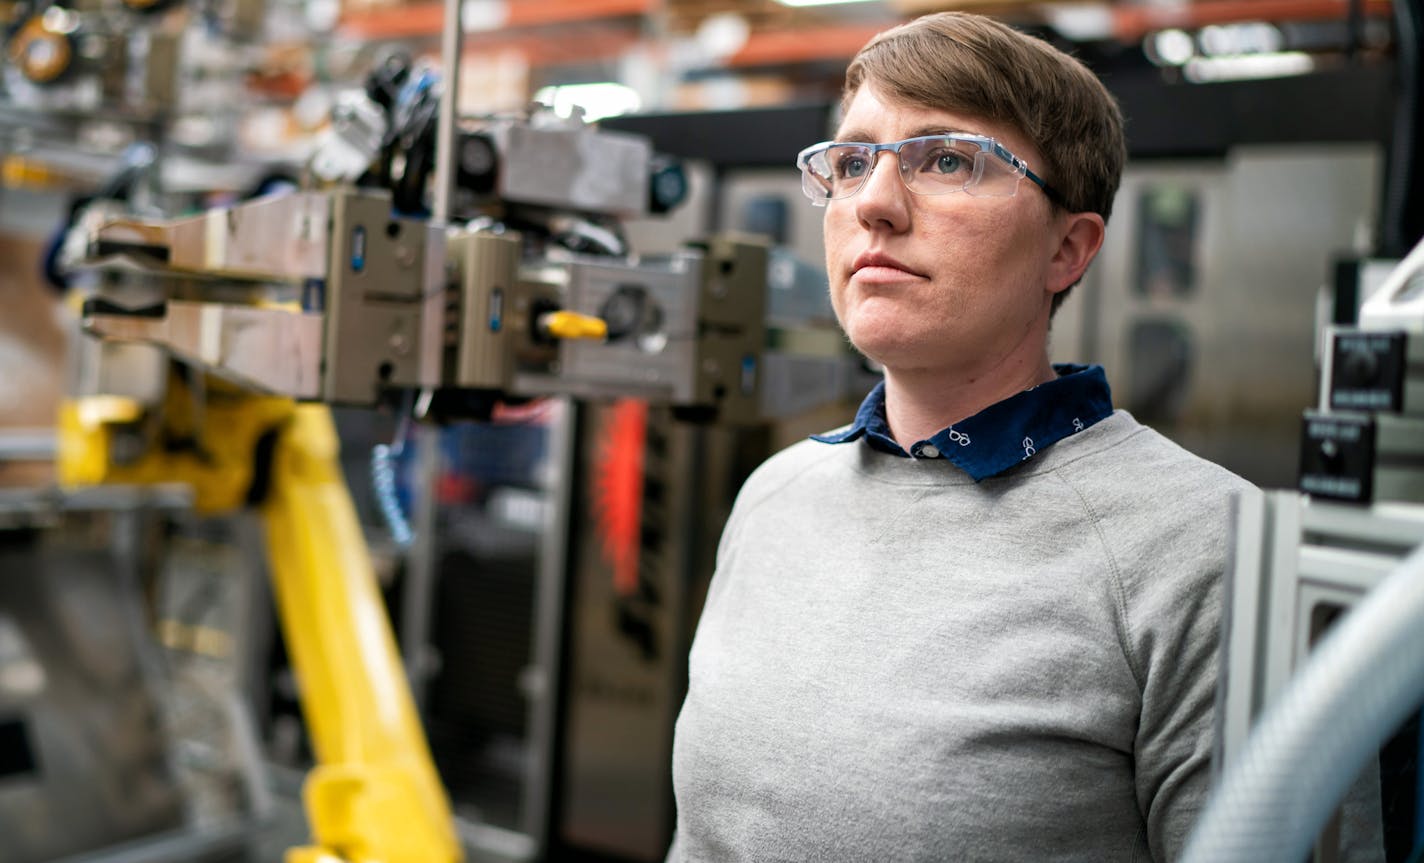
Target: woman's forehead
[[875, 117]]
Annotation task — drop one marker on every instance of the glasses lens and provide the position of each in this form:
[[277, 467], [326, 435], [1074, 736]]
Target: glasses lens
[[938, 166], [846, 167], [816, 177], [995, 177]]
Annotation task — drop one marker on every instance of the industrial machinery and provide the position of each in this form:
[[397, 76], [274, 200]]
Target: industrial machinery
[[84, 56], [395, 303], [82, 79], [1315, 677], [376, 284]]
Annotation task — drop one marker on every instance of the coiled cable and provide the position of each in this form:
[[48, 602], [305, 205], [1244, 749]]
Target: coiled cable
[[385, 462]]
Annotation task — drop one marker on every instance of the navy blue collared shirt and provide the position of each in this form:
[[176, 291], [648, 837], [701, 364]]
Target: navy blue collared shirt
[[1003, 434]]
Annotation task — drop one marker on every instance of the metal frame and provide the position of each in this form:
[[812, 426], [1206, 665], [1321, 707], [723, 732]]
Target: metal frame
[[1292, 553], [1292, 556], [129, 509]]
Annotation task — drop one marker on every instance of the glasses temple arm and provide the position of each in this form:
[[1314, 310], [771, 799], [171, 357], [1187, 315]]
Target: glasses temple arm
[[1052, 193]]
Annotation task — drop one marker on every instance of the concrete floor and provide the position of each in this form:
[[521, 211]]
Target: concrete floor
[[267, 838], [285, 827]]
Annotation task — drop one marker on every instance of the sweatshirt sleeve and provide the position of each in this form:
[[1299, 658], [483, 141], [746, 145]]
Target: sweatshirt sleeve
[[1166, 519], [1178, 632], [1172, 608]]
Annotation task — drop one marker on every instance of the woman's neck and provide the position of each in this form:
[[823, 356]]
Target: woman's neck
[[919, 403]]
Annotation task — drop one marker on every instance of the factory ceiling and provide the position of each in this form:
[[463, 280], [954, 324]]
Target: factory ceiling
[[749, 35]]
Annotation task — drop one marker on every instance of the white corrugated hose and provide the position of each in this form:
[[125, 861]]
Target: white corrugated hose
[[1354, 690]]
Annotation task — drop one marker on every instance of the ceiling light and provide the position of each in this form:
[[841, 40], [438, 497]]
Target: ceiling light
[[1080, 22], [818, 2], [722, 35], [1201, 70], [1229, 40], [598, 100], [1169, 47]]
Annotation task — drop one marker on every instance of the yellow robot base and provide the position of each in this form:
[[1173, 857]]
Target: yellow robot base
[[374, 796]]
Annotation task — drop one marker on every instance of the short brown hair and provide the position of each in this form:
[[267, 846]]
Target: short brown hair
[[978, 66]]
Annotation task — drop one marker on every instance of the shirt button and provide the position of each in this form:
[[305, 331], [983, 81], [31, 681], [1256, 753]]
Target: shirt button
[[929, 450]]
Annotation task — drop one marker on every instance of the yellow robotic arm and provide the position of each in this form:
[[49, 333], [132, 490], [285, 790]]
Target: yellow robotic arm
[[374, 796]]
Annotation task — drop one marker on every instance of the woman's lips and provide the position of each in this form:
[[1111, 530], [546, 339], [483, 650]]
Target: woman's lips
[[880, 267]]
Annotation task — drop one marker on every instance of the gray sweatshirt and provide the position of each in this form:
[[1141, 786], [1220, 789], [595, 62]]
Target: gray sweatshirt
[[896, 663]]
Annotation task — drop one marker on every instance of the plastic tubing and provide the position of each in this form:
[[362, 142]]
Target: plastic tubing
[[1355, 688]]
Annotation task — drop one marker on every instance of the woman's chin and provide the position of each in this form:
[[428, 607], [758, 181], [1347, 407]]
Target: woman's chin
[[891, 350]]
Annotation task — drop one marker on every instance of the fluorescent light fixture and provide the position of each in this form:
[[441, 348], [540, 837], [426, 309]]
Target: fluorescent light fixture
[[1203, 70], [483, 16], [1081, 22], [605, 99], [799, 3], [722, 35], [1231, 40]]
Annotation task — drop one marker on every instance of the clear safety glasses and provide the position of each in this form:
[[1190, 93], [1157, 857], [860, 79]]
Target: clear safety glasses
[[929, 165]]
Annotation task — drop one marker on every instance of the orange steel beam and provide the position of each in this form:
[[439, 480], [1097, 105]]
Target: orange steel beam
[[840, 42], [831, 42], [425, 18], [553, 50], [828, 42], [1134, 22]]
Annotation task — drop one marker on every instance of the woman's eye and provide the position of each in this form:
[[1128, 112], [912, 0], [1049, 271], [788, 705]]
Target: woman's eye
[[851, 166], [947, 163]]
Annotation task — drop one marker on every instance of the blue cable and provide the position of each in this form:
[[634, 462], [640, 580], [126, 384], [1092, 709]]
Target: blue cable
[[384, 464]]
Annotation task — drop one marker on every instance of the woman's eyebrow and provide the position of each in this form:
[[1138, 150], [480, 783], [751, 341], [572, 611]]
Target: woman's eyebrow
[[940, 130], [864, 137]]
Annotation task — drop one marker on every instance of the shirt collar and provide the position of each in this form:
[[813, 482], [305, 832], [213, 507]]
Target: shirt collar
[[1003, 434]]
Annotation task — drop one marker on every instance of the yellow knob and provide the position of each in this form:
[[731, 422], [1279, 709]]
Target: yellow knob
[[94, 411], [564, 324]]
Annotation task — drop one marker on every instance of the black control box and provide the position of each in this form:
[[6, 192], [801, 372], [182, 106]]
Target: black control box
[[1337, 456], [1367, 371]]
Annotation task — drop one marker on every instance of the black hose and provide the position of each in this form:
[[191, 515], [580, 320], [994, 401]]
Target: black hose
[[1402, 223]]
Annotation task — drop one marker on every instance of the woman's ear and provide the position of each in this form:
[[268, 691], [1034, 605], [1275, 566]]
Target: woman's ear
[[1080, 237]]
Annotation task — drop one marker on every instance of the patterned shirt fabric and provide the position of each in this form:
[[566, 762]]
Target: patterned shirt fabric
[[1003, 434]]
